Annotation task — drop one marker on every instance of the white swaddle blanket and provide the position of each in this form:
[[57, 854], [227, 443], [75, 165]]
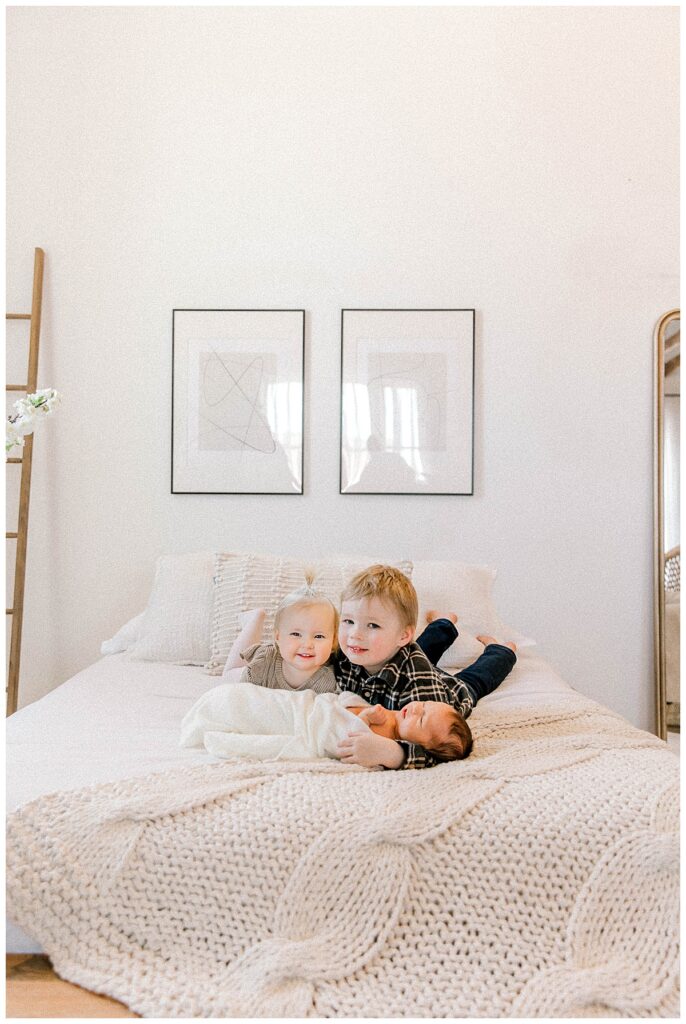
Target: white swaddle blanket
[[244, 720]]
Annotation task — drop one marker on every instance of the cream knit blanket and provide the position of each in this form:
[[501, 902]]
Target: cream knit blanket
[[537, 878]]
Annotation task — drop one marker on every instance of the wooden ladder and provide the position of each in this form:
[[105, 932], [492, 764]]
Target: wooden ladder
[[21, 535]]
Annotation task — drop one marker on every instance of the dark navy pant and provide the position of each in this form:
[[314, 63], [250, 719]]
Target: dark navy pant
[[485, 674]]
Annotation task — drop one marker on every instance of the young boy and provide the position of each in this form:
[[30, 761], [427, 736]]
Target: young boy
[[378, 660]]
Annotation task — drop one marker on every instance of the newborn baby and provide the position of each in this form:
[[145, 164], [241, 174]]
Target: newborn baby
[[243, 720], [437, 727]]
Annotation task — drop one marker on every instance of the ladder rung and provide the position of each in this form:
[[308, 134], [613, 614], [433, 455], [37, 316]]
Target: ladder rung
[[9, 611], [11, 536], [15, 461], [16, 387], [17, 316]]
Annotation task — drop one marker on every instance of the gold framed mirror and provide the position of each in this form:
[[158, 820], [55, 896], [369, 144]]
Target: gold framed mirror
[[667, 544]]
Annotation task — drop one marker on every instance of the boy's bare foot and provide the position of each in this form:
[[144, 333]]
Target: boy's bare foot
[[432, 615], [486, 640]]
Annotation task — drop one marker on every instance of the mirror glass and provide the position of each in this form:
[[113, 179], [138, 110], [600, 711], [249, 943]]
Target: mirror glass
[[671, 539], [667, 536]]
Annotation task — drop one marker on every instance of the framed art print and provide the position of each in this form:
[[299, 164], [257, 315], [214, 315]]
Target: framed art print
[[407, 401], [237, 401]]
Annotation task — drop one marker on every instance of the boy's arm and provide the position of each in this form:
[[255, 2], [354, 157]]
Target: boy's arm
[[416, 757], [370, 750], [373, 751]]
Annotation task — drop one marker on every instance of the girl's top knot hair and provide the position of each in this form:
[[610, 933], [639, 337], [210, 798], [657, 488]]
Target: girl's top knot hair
[[305, 596], [310, 577]]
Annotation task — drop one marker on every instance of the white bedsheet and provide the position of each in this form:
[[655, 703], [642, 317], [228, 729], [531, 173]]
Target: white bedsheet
[[120, 718]]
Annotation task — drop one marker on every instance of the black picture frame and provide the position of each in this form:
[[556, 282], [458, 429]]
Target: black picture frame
[[256, 429], [422, 360]]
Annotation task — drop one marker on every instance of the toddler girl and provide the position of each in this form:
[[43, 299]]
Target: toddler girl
[[305, 629]]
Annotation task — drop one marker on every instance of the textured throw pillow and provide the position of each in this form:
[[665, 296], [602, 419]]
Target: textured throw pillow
[[177, 621], [245, 581], [466, 590]]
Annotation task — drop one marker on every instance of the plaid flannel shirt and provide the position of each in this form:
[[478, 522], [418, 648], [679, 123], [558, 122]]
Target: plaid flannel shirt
[[408, 676]]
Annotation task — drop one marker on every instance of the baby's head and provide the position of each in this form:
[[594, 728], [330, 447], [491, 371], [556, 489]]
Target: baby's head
[[378, 616], [437, 727], [305, 626]]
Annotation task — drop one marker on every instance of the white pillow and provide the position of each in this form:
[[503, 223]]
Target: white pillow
[[245, 581], [125, 638], [463, 652], [177, 621], [466, 590]]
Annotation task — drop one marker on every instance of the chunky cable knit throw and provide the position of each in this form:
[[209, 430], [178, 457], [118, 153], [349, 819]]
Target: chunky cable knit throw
[[537, 878]]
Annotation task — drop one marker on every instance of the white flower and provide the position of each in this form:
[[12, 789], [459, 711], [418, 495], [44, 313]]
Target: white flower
[[23, 410], [26, 413], [44, 400], [24, 425], [12, 437]]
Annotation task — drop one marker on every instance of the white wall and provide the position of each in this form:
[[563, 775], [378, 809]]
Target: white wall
[[519, 160]]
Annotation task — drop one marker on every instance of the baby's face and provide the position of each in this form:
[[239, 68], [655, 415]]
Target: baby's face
[[305, 636], [425, 722]]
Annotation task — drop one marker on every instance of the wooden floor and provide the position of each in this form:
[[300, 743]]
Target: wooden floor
[[34, 990]]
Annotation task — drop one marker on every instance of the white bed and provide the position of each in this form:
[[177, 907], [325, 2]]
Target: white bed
[[563, 820], [120, 718]]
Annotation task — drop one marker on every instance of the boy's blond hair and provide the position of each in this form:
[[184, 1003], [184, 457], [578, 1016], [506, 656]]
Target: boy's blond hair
[[388, 584], [305, 597]]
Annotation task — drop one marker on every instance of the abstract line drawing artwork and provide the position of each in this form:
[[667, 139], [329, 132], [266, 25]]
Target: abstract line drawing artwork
[[237, 401], [407, 402], [233, 393]]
